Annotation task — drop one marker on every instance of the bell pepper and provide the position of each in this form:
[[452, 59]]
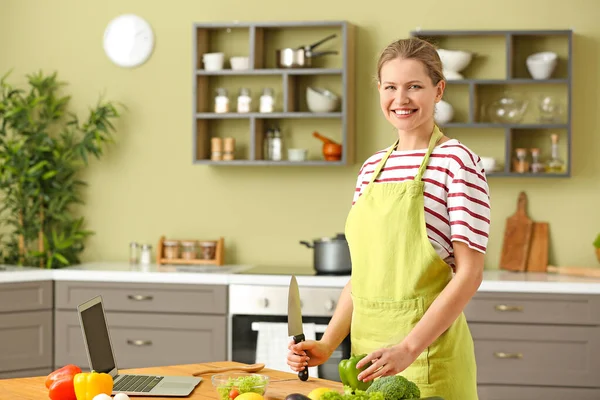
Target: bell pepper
[[89, 384], [60, 383], [349, 373]]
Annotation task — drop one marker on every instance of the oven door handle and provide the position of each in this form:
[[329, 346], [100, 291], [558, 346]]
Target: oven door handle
[[319, 328]]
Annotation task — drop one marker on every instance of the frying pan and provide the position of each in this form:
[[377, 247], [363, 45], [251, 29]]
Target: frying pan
[[302, 56]]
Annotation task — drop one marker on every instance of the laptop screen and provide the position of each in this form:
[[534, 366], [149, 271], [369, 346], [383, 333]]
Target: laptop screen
[[98, 342]]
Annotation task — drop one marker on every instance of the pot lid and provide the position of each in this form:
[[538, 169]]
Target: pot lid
[[339, 236]]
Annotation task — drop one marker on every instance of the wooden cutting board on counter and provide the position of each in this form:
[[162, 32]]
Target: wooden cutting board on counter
[[537, 260], [517, 238], [586, 272]]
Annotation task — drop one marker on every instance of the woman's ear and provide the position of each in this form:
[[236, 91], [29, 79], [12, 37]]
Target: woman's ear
[[441, 86]]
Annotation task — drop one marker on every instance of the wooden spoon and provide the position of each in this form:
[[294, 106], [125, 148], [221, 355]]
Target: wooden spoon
[[245, 368]]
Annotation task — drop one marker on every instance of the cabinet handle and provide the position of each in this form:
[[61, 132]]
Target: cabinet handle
[[139, 342], [504, 307], [139, 297], [500, 354]]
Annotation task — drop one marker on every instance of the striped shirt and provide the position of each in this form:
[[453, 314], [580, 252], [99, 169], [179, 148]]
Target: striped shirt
[[457, 202]]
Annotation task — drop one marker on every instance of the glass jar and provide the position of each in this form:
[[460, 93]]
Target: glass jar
[[171, 249], [536, 165], [243, 101], [267, 101], [520, 163], [146, 254], [221, 101], [188, 250], [134, 256], [208, 250]]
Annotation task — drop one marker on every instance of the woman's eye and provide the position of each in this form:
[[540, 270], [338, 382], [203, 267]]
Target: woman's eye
[[415, 86], [389, 87]]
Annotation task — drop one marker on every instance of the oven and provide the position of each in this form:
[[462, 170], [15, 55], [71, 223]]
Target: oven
[[251, 304]]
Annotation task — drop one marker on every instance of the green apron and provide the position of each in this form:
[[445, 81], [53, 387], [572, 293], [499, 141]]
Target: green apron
[[396, 275]]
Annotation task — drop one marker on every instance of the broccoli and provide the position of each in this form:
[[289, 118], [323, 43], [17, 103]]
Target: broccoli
[[395, 387]]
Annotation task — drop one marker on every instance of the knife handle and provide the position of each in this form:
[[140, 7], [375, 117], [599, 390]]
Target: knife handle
[[302, 375]]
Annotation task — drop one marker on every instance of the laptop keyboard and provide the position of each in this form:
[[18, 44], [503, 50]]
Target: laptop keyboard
[[137, 383]]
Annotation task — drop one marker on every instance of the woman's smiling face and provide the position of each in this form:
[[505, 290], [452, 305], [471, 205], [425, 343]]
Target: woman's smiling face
[[407, 94]]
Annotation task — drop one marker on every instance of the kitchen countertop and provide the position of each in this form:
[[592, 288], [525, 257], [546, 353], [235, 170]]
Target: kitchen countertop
[[280, 383], [493, 280]]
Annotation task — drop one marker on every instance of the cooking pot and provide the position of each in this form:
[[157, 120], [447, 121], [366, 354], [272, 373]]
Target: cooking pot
[[302, 56], [331, 256]]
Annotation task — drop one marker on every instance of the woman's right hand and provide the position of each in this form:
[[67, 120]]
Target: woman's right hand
[[307, 353]]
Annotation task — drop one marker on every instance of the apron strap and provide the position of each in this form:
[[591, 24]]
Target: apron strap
[[435, 136], [383, 161]]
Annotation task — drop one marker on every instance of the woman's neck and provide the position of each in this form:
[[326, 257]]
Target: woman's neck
[[415, 139]]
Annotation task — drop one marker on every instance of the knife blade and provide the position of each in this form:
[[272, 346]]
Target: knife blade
[[295, 319]]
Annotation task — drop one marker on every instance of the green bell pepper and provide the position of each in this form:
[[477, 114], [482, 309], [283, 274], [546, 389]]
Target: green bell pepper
[[349, 373]]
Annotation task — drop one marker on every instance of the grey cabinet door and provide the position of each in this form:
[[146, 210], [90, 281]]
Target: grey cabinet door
[[25, 340], [145, 297], [491, 392], [26, 373], [144, 340], [550, 355], [26, 296]]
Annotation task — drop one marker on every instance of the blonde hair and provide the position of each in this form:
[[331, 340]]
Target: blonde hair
[[415, 49]]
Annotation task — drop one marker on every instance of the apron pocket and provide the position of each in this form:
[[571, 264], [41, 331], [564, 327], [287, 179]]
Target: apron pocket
[[377, 324]]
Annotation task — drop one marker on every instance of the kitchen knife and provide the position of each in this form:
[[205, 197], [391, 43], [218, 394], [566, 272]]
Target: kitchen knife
[[295, 320]]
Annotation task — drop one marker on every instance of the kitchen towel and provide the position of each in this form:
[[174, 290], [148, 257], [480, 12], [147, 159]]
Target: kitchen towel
[[272, 345]]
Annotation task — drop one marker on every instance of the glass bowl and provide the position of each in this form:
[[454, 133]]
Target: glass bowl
[[243, 382], [509, 109]]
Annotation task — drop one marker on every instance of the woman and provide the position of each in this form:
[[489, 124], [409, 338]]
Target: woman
[[417, 232]]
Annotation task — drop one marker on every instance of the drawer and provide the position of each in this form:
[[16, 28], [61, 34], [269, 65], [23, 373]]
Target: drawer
[[25, 340], [145, 340], [491, 392], [537, 354], [26, 296], [536, 308], [26, 373], [144, 297]]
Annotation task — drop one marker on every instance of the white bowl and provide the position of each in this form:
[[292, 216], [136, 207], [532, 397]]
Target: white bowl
[[454, 61], [443, 112], [541, 65], [297, 154], [488, 164], [213, 61], [321, 100], [239, 63]]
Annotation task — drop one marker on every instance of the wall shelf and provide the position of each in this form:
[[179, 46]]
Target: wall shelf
[[498, 66], [259, 41]]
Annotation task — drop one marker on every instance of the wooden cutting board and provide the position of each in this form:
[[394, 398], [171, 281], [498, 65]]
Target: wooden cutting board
[[517, 238], [575, 271], [537, 260]]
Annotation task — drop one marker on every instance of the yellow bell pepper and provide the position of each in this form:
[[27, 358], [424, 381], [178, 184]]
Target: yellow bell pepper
[[89, 384]]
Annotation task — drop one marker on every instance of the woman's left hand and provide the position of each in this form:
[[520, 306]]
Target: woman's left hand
[[385, 361]]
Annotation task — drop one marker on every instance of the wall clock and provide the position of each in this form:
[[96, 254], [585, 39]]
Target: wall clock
[[128, 40]]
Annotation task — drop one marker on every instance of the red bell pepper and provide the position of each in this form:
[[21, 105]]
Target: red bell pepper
[[60, 383]]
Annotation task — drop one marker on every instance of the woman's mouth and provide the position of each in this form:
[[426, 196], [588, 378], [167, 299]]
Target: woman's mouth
[[404, 112]]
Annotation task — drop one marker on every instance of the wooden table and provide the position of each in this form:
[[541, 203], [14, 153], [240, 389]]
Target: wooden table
[[281, 383]]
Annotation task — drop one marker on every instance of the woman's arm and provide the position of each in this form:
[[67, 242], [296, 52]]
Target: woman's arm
[[437, 319], [339, 325]]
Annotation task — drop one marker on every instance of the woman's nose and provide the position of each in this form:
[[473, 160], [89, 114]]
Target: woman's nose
[[401, 97]]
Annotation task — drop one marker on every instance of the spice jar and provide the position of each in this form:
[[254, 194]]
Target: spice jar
[[188, 250], [536, 165], [221, 101], [267, 101], [216, 149], [520, 164], [208, 250], [228, 148], [171, 249], [134, 257], [243, 101]]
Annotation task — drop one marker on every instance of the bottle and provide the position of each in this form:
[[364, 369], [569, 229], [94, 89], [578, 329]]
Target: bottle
[[267, 145], [555, 165], [536, 165], [221, 101], [267, 101], [276, 145], [243, 101]]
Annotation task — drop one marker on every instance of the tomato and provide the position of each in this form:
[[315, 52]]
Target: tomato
[[233, 393]]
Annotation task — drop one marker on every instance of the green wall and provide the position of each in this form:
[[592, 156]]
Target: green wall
[[146, 185]]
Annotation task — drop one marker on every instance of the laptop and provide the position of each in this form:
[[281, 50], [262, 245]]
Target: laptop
[[101, 358]]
